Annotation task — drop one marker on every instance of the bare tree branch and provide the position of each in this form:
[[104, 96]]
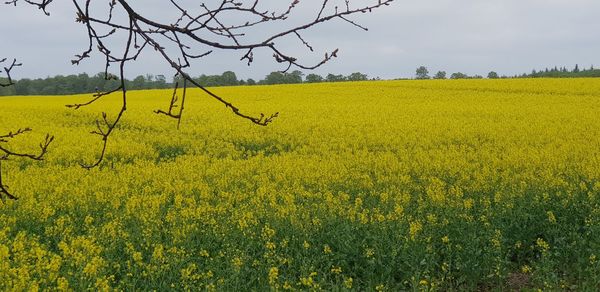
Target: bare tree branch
[[7, 71], [6, 153], [197, 31], [40, 5]]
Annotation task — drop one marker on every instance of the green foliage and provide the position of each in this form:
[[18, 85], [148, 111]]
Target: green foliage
[[422, 73], [563, 72], [82, 83], [492, 75], [314, 78], [357, 76], [283, 78], [335, 78], [440, 75], [459, 75]]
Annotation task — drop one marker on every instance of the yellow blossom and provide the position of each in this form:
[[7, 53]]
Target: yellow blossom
[[551, 217], [348, 282], [445, 239], [306, 245], [273, 276], [415, 228], [542, 244], [369, 252], [204, 253]]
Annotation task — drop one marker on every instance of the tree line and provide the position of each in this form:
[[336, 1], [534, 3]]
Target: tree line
[[563, 72], [83, 83]]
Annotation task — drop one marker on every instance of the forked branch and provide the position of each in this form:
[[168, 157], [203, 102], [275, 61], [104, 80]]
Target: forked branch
[[193, 34], [6, 153], [6, 71]]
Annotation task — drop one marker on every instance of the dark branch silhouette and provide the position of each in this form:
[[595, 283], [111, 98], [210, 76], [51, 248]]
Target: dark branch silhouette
[[7, 70], [194, 34], [6, 153]]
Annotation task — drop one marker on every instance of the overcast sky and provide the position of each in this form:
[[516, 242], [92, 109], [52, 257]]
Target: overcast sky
[[469, 36]]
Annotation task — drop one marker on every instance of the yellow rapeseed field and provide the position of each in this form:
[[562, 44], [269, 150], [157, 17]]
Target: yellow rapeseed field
[[395, 185]]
